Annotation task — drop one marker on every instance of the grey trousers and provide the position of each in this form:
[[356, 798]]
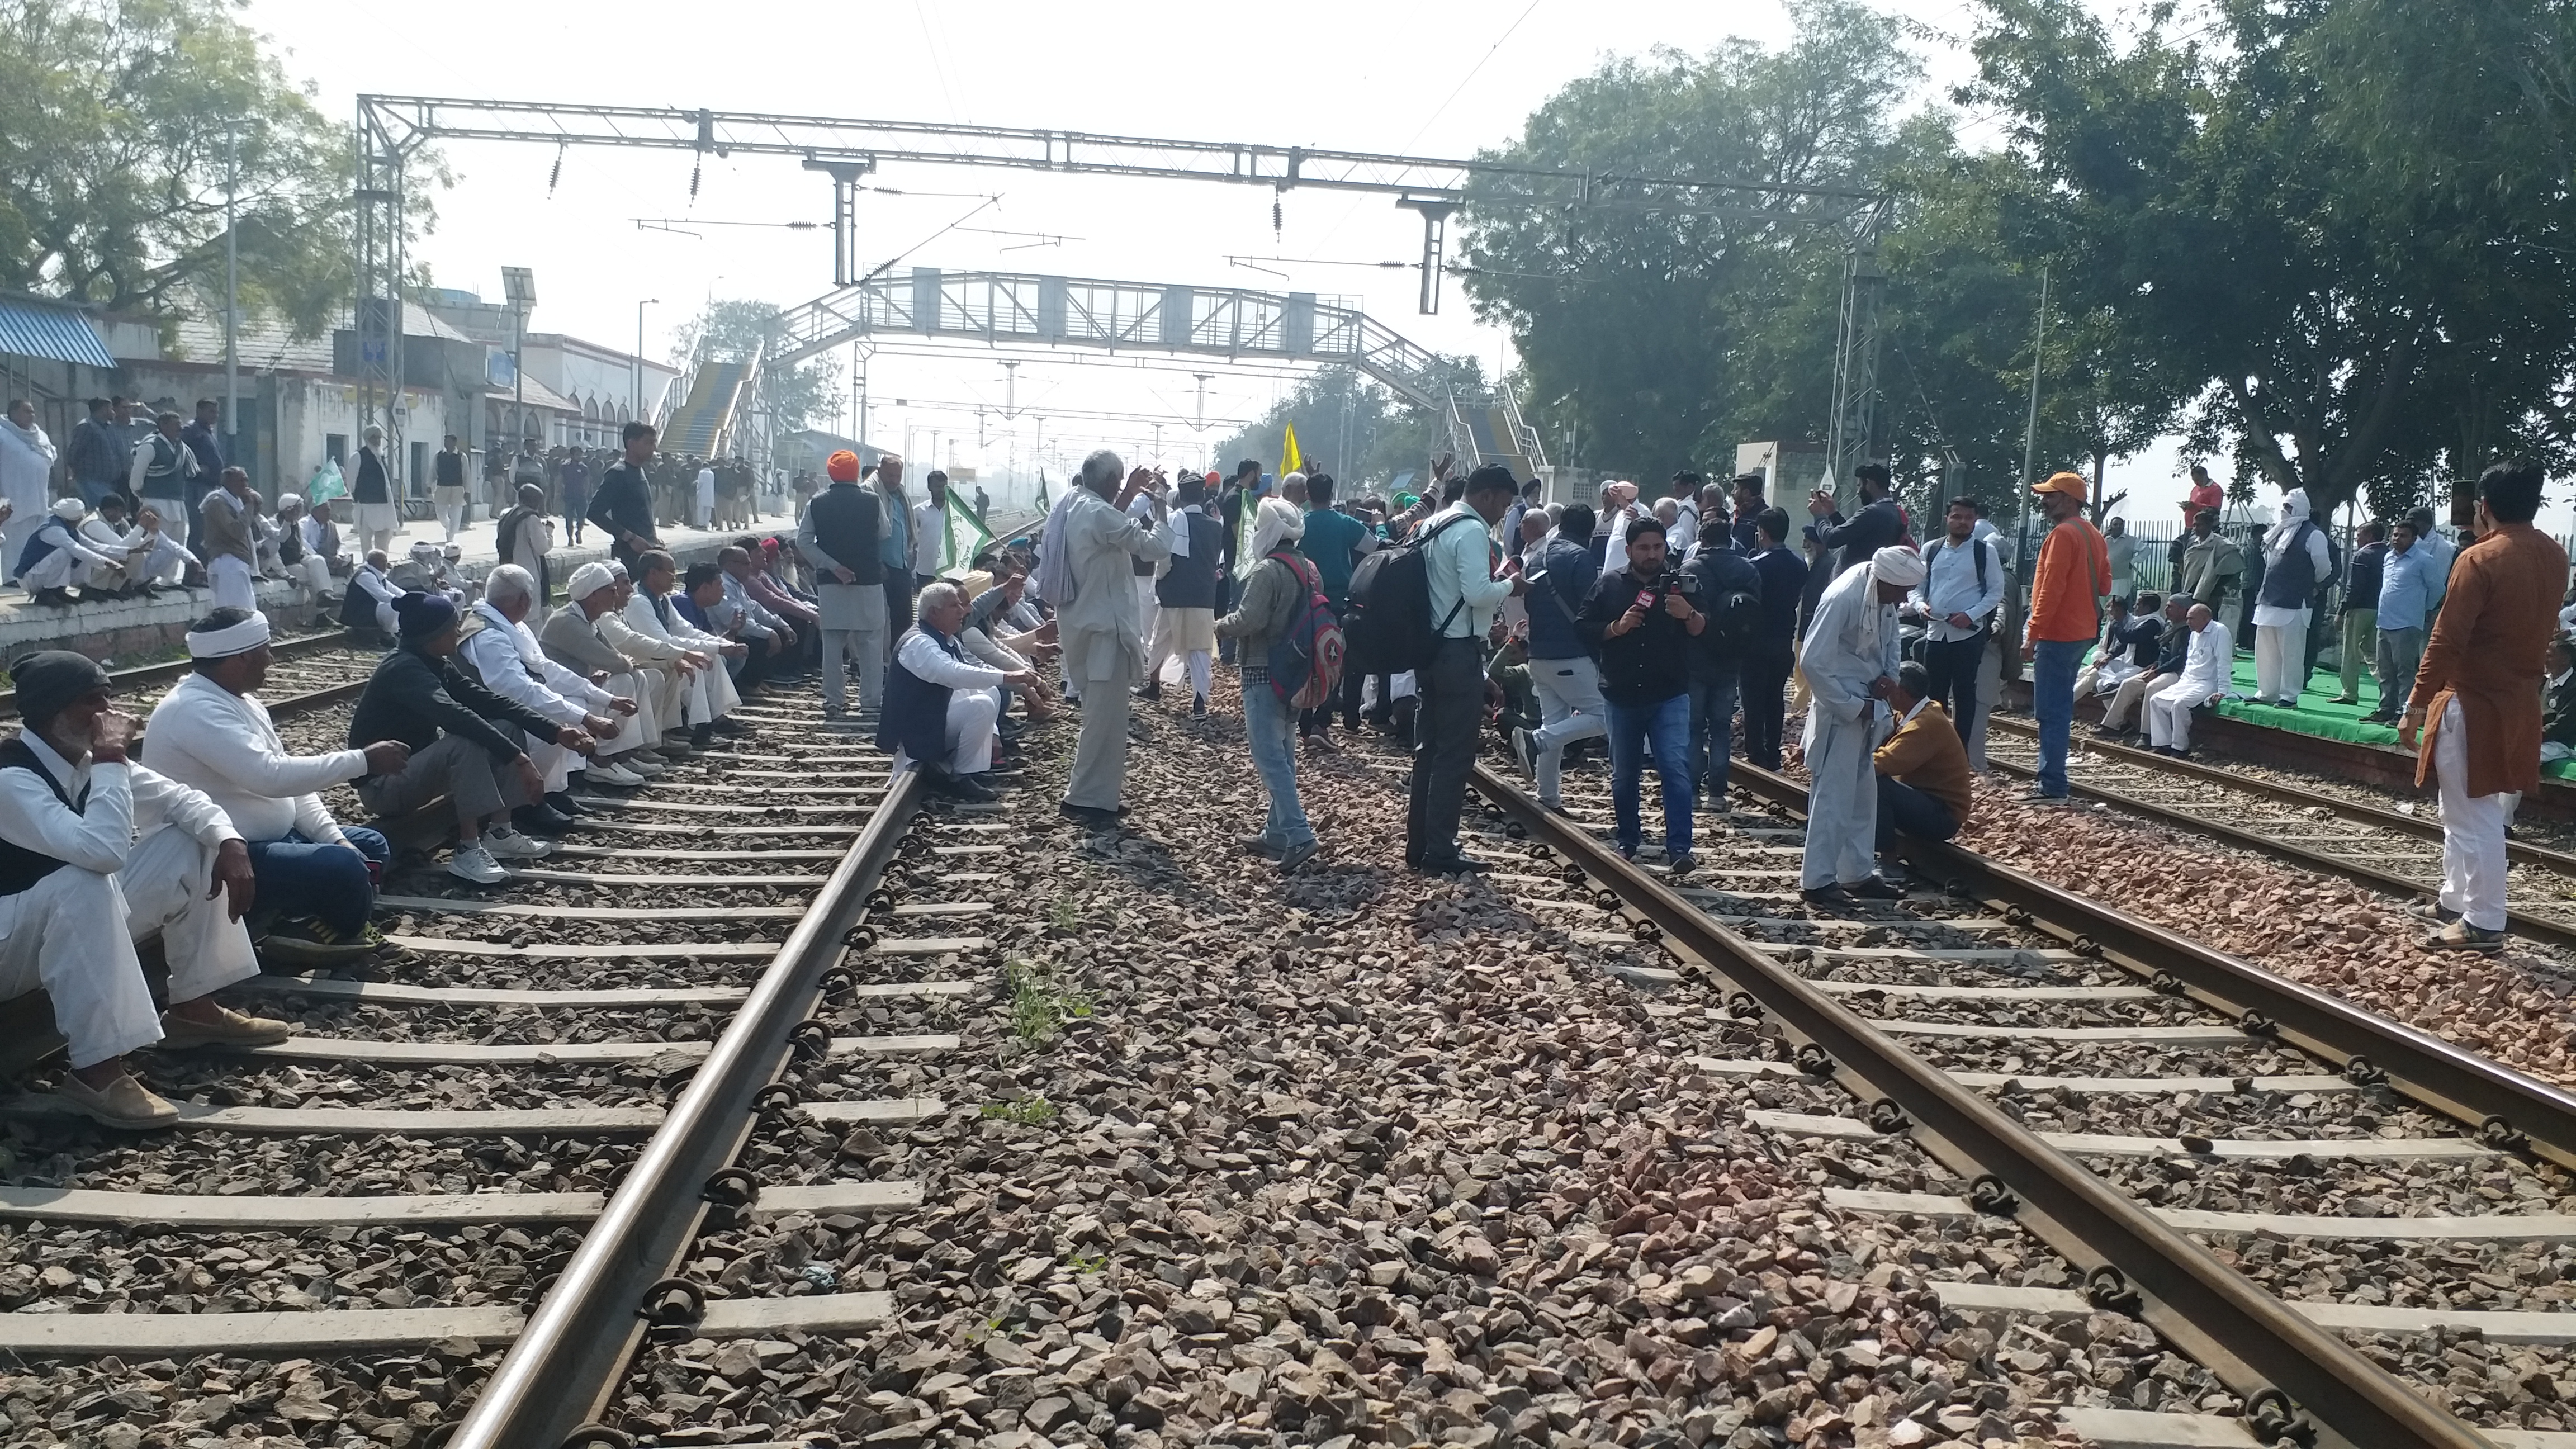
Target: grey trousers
[[1100, 757], [854, 618], [456, 767], [2401, 651]]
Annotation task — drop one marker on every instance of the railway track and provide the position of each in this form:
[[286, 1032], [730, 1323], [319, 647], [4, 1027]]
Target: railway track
[[2081, 1127], [2310, 828], [477, 1181]]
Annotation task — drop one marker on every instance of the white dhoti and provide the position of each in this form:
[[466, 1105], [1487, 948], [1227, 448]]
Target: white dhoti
[[2280, 657], [314, 572], [55, 570], [658, 698], [2473, 848], [1842, 802], [166, 563], [710, 696], [231, 580], [972, 714], [554, 763], [1149, 610], [2169, 715], [50, 938], [632, 729]]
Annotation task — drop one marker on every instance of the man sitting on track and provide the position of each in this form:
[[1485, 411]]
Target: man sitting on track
[[87, 839], [1924, 786], [502, 653], [367, 607], [465, 742], [578, 638], [317, 877], [2205, 674], [646, 611], [941, 706]]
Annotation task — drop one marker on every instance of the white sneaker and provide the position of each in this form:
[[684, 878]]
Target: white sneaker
[[608, 772], [504, 844], [642, 764], [476, 864]]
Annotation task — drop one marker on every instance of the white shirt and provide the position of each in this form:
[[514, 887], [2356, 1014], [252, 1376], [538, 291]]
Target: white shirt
[[506, 657], [104, 536], [72, 542], [933, 665], [929, 536], [679, 632], [2211, 665], [126, 802], [1950, 587], [208, 738]]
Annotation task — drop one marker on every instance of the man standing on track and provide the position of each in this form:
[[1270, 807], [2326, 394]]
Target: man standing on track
[[2066, 593], [1104, 644], [842, 537], [1850, 661], [2478, 691], [1963, 585], [1464, 594]]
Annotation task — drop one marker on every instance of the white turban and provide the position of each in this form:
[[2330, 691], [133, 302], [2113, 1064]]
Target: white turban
[[70, 510], [1277, 523], [589, 579], [1897, 564], [240, 638]]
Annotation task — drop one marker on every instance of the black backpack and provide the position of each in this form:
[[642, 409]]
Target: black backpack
[[1976, 550], [1388, 629], [1734, 610]]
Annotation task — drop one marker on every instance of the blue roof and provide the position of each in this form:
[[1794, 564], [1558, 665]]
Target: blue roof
[[33, 328]]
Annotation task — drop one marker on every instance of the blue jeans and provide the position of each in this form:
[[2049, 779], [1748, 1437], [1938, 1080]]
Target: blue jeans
[[329, 882], [1270, 727], [2052, 699], [1663, 727], [1712, 734]]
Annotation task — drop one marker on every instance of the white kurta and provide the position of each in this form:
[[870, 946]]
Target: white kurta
[[974, 703], [710, 692], [223, 744], [26, 479], [142, 852], [1851, 642]]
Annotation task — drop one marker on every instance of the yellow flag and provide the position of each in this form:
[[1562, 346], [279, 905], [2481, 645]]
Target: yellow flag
[[1289, 462]]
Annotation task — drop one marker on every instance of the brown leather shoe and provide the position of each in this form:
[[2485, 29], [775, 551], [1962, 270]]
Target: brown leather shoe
[[229, 1028], [125, 1103]]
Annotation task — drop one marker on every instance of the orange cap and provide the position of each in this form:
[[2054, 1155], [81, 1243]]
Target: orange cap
[[843, 466], [2067, 483]]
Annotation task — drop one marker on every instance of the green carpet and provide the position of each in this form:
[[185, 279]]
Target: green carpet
[[2314, 716]]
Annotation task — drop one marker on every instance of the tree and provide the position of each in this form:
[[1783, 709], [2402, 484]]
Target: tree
[[114, 119], [1350, 427], [731, 331], [1637, 324]]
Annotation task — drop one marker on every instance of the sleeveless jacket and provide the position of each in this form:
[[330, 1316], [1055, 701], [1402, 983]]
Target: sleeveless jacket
[[20, 867], [41, 543], [2291, 583], [850, 527], [916, 710], [1191, 582], [168, 468]]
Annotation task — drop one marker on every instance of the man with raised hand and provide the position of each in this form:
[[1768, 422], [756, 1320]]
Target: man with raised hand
[[1096, 621], [97, 853]]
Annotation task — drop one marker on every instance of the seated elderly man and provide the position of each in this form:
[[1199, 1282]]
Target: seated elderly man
[[502, 652], [700, 602], [940, 706], [647, 611], [87, 839], [1924, 786], [2206, 672], [790, 644], [762, 576], [2128, 649], [367, 608], [105, 530], [156, 560], [57, 557], [467, 743], [578, 638], [317, 877]]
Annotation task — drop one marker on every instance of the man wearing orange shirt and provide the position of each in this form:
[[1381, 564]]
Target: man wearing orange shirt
[[2066, 593]]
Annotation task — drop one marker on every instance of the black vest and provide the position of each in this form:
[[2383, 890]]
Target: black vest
[[21, 868], [916, 710], [369, 485], [849, 528], [358, 609], [2290, 583], [1190, 583]]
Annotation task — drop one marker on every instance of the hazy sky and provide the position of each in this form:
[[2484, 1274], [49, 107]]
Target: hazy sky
[[1440, 78]]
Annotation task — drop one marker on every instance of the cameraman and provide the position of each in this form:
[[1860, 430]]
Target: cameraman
[[1646, 625]]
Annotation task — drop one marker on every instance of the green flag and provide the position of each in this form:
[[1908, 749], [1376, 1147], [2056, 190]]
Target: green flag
[[966, 535], [1043, 505]]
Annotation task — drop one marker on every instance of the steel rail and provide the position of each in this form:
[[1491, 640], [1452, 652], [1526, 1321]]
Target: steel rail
[[121, 680], [2457, 1083], [2352, 810], [2213, 1313], [567, 1363], [2360, 872]]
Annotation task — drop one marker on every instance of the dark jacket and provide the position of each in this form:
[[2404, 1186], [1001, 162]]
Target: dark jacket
[[2138, 636], [1648, 664], [1873, 528], [1565, 577], [1711, 575], [2173, 648], [2558, 713], [415, 699], [2361, 587], [623, 503], [1784, 580], [368, 481], [1191, 583]]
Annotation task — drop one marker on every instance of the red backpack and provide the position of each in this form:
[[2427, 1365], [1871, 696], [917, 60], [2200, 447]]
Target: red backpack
[[1306, 660]]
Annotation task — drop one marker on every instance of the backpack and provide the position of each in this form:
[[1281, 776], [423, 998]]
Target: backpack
[[1306, 658], [1389, 628], [1976, 550], [1734, 617]]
